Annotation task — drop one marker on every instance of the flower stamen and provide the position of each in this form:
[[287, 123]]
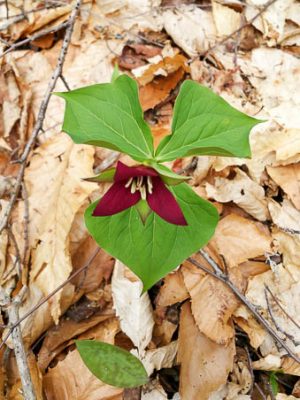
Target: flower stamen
[[129, 182]]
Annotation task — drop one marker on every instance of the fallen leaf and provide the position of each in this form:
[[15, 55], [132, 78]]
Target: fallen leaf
[[288, 178], [243, 191], [54, 175], [205, 365], [159, 89], [172, 291], [71, 379], [59, 335], [226, 19], [191, 28], [285, 216], [133, 309], [239, 239], [207, 293]]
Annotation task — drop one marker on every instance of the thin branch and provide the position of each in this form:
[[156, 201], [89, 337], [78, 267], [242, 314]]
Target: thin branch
[[45, 299], [41, 115], [277, 326], [280, 306], [219, 274], [19, 349], [36, 36], [62, 78]]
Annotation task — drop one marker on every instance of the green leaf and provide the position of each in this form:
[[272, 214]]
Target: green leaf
[[204, 123], [109, 115], [168, 176], [111, 364], [154, 249], [273, 383], [116, 73], [105, 176]]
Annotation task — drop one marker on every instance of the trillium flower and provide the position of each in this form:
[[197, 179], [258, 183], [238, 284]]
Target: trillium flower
[[133, 184]]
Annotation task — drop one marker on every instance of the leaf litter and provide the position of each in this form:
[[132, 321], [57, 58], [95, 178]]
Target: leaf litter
[[193, 335]]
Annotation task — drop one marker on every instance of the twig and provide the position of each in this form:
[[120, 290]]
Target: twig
[[62, 78], [45, 299], [260, 391], [226, 38], [26, 226], [36, 36], [219, 274], [280, 306], [41, 115], [19, 349]]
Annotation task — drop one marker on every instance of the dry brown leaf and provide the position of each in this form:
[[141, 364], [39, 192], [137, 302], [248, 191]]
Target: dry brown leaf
[[62, 333], [164, 67], [239, 239], [205, 365], [159, 89], [288, 178], [71, 379], [16, 391], [100, 268], [56, 192], [207, 293], [243, 191], [172, 291]]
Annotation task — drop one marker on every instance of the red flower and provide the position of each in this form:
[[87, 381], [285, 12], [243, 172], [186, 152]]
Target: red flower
[[131, 184]]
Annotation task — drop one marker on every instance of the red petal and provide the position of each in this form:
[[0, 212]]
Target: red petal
[[115, 200], [123, 172], [163, 203]]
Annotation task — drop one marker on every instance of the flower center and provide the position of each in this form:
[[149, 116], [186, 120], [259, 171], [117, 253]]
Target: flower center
[[143, 184]]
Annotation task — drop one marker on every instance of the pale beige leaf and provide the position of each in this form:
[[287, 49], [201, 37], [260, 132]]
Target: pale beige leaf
[[56, 191], [191, 28], [271, 22], [273, 73], [133, 309], [226, 19], [239, 239], [71, 379], [288, 178], [205, 365], [285, 216], [243, 191], [289, 246], [156, 359]]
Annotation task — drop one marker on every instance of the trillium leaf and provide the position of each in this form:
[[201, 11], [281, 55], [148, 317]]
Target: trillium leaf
[[153, 249], [105, 176], [205, 124], [109, 115], [112, 364], [169, 177]]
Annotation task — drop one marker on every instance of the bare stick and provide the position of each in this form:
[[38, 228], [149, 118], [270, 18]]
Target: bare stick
[[41, 115], [19, 349], [45, 299], [36, 36], [219, 274]]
